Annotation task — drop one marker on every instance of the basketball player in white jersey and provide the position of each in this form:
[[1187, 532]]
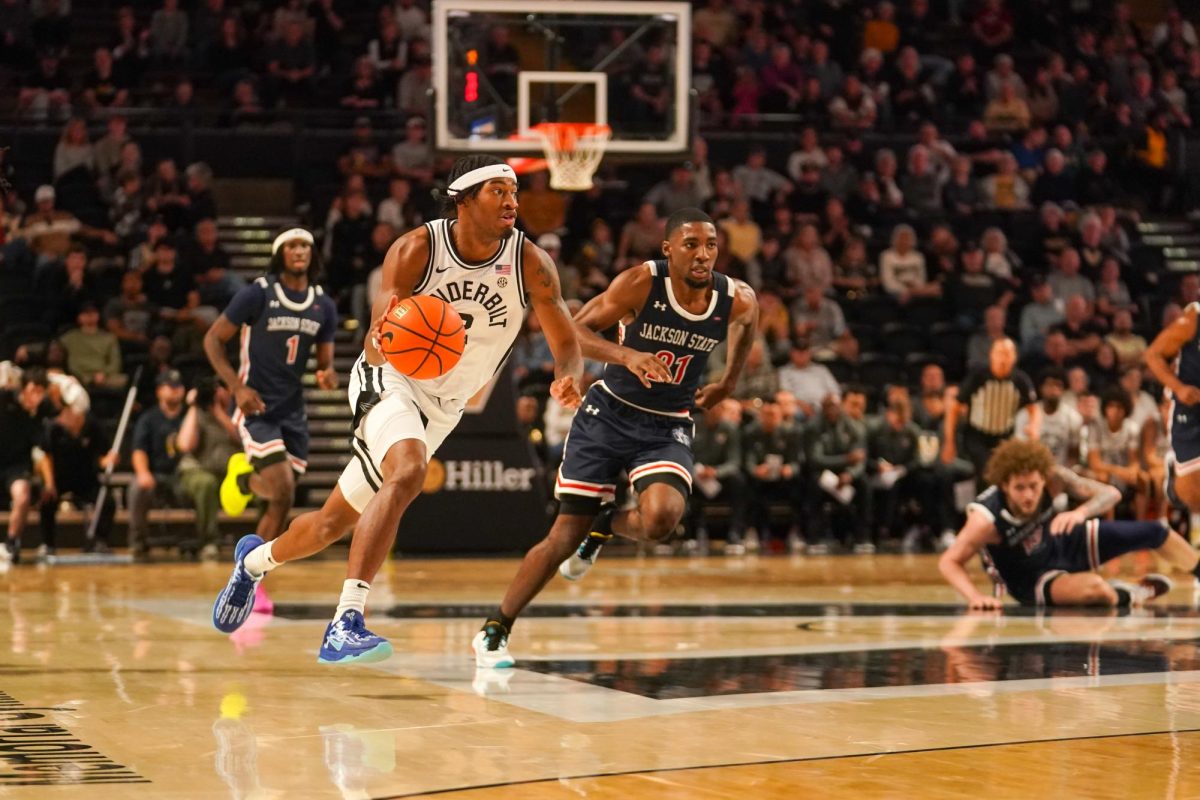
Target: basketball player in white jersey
[[476, 260]]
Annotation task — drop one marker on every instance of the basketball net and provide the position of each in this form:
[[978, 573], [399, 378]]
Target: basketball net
[[573, 150]]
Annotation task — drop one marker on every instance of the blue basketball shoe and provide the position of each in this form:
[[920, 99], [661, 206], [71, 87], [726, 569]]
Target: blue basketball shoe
[[236, 600], [347, 641]]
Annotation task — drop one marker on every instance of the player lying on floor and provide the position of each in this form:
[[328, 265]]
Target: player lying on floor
[[1045, 556]]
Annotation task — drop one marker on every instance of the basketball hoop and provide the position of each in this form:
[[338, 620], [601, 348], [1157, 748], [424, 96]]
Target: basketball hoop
[[573, 152]]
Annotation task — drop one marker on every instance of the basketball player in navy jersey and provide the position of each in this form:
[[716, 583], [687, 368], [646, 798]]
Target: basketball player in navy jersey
[[280, 317], [1179, 344], [476, 260], [672, 313], [1046, 556]]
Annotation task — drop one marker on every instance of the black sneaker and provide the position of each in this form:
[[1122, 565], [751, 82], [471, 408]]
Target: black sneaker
[[491, 647]]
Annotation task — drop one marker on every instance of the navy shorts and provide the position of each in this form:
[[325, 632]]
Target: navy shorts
[[1083, 549], [1185, 438], [268, 439], [608, 436]]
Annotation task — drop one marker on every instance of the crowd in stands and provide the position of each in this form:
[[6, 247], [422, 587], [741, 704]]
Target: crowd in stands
[[959, 172]]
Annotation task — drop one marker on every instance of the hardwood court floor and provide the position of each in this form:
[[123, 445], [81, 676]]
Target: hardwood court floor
[[775, 677]]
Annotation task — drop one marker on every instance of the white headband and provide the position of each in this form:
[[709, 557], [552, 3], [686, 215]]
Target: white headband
[[479, 176], [287, 236]]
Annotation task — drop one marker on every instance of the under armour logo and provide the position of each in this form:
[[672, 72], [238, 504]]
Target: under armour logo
[[274, 304], [1181, 417], [661, 306], [592, 410]]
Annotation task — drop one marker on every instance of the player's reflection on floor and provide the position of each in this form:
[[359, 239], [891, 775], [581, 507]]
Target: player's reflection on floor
[[491, 682], [236, 759], [354, 756]]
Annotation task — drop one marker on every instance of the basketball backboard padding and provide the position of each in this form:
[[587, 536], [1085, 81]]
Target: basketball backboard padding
[[455, 34]]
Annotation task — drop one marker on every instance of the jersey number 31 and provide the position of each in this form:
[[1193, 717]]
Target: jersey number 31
[[677, 365]]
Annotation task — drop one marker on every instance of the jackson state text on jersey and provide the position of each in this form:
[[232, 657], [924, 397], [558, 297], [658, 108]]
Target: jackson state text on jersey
[[279, 326], [680, 339]]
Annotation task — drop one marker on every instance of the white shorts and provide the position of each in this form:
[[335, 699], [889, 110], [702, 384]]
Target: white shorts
[[403, 411]]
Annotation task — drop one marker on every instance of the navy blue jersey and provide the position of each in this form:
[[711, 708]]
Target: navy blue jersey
[[279, 328], [1027, 550], [1185, 419], [680, 339], [1188, 366], [1029, 558]]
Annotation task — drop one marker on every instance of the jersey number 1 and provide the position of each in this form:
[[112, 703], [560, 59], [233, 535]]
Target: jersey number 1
[[293, 345], [679, 365]]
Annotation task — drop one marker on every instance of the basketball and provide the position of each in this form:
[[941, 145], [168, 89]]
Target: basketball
[[423, 337]]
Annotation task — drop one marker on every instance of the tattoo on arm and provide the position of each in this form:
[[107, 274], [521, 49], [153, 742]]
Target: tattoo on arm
[[547, 280], [741, 336], [1101, 498]]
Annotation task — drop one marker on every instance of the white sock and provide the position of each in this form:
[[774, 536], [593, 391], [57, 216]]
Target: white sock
[[259, 561], [354, 596]]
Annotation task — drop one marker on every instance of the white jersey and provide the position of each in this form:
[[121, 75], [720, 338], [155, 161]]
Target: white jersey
[[490, 297]]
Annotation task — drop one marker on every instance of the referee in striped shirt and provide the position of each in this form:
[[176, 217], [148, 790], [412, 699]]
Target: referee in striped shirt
[[989, 400]]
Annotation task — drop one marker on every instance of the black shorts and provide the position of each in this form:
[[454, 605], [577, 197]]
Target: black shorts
[[608, 437], [1083, 549], [8, 476]]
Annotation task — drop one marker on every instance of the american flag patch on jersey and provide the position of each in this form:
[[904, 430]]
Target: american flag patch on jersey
[[504, 269]]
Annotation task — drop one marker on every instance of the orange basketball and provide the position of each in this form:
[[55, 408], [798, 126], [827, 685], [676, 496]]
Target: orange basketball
[[423, 337]]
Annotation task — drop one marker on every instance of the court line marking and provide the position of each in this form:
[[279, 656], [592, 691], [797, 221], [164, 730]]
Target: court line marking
[[581, 702], [927, 643], [798, 760]]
